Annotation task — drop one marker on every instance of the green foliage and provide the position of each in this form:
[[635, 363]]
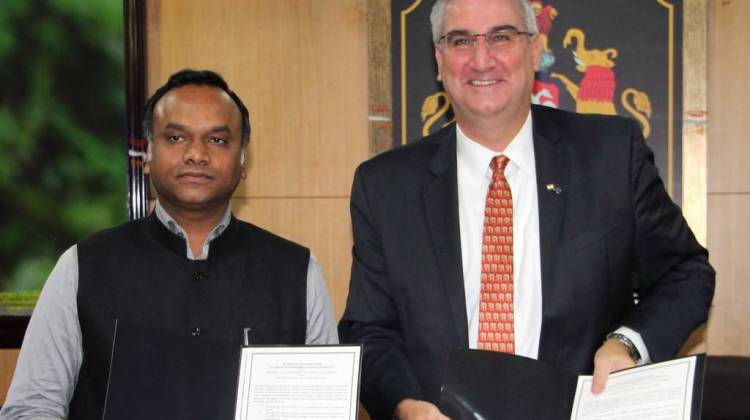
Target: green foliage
[[17, 303], [62, 112]]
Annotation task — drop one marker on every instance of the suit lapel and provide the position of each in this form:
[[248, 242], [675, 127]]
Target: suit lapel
[[552, 172], [440, 197]]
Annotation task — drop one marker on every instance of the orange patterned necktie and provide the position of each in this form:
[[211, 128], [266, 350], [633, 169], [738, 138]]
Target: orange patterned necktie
[[496, 301]]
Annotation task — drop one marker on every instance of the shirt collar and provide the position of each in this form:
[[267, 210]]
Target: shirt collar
[[476, 158], [175, 228]]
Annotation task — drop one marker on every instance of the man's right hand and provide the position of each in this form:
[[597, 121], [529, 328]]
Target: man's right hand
[[409, 409]]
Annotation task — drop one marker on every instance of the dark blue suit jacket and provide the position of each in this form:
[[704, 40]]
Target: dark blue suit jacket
[[611, 227]]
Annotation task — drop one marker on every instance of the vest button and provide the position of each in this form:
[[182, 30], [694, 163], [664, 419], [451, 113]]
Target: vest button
[[195, 332], [199, 276]]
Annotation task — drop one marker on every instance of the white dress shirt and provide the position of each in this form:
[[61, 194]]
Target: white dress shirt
[[474, 177]]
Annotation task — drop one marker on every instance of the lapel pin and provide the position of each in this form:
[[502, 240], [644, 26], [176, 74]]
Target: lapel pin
[[553, 188]]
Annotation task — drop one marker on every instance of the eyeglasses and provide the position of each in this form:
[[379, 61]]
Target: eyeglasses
[[496, 40]]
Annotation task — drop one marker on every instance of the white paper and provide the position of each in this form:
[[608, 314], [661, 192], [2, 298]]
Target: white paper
[[302, 382], [662, 391]]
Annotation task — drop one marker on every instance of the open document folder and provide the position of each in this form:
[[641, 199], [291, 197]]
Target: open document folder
[[488, 385]]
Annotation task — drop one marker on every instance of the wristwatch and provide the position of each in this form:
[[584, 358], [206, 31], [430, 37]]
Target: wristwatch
[[629, 346]]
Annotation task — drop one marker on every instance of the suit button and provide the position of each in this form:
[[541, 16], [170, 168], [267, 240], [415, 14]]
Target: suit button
[[199, 276], [195, 332]]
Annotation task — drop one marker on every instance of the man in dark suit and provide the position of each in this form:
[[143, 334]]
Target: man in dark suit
[[585, 218]]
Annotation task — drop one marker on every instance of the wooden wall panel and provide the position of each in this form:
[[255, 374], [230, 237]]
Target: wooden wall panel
[[7, 367], [728, 41], [320, 223], [728, 175], [729, 239], [300, 66]]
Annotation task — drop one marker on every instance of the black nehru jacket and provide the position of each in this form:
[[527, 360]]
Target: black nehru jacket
[[180, 322]]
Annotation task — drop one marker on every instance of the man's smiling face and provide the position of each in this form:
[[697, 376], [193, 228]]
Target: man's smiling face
[[485, 83]]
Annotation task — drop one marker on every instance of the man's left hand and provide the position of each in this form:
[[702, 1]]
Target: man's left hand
[[611, 357]]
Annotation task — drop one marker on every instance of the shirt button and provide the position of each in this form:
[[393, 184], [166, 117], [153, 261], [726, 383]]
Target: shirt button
[[195, 332], [199, 276]]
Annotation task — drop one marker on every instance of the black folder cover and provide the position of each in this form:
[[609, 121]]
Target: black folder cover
[[162, 374], [491, 385]]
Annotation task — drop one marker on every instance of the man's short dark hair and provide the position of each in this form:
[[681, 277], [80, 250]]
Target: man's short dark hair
[[193, 77]]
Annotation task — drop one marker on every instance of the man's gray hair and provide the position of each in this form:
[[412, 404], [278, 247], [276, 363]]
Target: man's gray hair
[[438, 11]]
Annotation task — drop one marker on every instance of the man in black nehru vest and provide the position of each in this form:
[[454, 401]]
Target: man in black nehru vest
[[181, 286]]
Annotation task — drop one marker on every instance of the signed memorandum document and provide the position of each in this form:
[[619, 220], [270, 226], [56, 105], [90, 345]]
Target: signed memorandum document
[[298, 382], [662, 391]]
